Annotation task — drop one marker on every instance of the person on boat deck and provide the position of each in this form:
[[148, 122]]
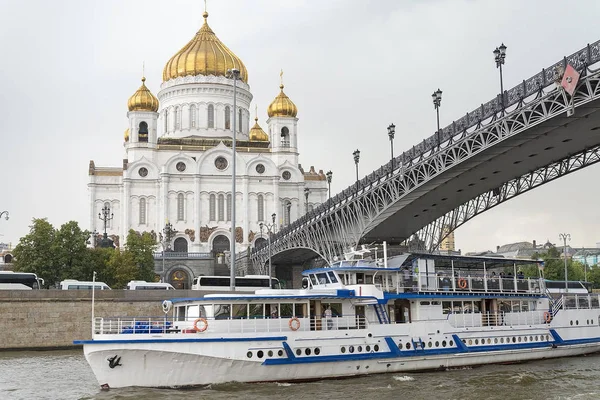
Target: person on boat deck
[[520, 275], [328, 316], [274, 312]]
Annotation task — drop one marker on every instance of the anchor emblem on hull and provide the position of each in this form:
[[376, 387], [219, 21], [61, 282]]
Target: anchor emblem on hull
[[114, 361]]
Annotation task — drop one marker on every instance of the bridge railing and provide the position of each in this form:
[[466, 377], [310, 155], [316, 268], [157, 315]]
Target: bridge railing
[[580, 60], [177, 254]]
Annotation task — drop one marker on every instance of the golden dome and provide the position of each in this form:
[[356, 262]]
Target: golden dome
[[205, 54], [126, 136], [282, 106], [257, 134], [143, 99]]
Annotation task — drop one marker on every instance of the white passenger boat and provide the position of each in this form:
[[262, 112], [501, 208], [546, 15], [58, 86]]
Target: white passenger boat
[[422, 312]]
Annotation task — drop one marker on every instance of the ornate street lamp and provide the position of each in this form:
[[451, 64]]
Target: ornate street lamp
[[437, 102], [356, 155], [166, 237], [5, 213], [270, 230], [235, 75], [391, 133], [499, 56], [306, 192], [105, 215], [564, 237], [329, 176]]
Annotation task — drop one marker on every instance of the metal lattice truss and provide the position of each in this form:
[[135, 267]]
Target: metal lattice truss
[[433, 234], [335, 226]]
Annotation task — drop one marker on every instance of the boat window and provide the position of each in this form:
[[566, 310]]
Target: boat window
[[322, 278], [425, 303], [222, 311], [504, 306], [467, 307], [313, 279], [332, 277], [299, 310], [369, 279], [286, 310], [196, 311], [336, 309], [240, 311], [516, 306], [446, 307], [435, 303], [360, 278], [457, 307], [476, 307], [180, 313], [256, 311]]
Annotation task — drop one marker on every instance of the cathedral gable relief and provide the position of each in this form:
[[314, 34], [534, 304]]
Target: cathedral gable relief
[[205, 233], [191, 234]]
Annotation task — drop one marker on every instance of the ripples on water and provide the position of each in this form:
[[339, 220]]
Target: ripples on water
[[66, 375]]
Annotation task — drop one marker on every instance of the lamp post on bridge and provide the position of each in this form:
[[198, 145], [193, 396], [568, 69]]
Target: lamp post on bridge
[[499, 56], [5, 213], [270, 229], [564, 237], [105, 215], [356, 155], [391, 132], [233, 74], [306, 192], [329, 176], [437, 102]]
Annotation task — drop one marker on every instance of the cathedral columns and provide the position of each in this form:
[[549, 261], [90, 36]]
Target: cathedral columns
[[246, 206], [197, 212], [164, 195], [125, 208], [157, 207], [276, 207]]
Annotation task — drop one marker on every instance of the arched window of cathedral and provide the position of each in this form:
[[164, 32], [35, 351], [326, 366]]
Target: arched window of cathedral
[[142, 211], [261, 208], [287, 212], [221, 204], [177, 118], [228, 207], [143, 132], [180, 207], [211, 208], [239, 124], [227, 117], [211, 116], [285, 137], [193, 115], [180, 245]]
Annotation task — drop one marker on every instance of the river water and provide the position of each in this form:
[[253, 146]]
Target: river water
[[66, 375]]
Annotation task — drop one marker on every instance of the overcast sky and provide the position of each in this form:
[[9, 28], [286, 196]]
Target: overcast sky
[[352, 67]]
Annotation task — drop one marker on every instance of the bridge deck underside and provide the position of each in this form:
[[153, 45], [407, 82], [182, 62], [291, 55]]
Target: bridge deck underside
[[538, 146]]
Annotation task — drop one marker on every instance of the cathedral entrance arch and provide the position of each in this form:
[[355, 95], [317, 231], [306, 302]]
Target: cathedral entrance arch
[[180, 245], [260, 242], [221, 244], [179, 279]]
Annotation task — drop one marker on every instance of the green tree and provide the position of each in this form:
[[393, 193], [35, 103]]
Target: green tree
[[121, 269], [99, 259], [142, 247], [71, 251], [36, 252]]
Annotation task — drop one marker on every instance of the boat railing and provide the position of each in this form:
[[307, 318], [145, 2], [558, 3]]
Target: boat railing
[[442, 282], [502, 318], [162, 325]]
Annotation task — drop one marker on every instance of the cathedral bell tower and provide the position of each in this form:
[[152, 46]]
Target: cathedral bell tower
[[283, 124], [143, 117]]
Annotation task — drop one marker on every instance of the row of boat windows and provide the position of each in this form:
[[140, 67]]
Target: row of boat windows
[[514, 339], [408, 345], [252, 310], [261, 354], [466, 307], [587, 321], [359, 349]]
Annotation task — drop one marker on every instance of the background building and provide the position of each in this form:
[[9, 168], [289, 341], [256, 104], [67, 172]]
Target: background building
[[177, 164]]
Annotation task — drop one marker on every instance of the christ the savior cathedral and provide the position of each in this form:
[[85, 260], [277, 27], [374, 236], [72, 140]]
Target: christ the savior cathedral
[[177, 163]]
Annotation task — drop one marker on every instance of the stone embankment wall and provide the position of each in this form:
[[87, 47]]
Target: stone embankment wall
[[51, 319]]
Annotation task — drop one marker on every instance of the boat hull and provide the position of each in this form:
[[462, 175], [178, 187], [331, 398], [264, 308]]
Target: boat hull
[[177, 365]]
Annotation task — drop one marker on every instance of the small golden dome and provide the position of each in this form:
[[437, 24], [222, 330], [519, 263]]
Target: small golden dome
[[257, 134], [126, 136], [143, 99], [206, 55], [282, 106]]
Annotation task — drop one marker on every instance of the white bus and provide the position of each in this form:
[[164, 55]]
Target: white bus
[[248, 283], [143, 285], [72, 284], [10, 280]]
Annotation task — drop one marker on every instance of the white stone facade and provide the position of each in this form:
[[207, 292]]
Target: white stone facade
[[175, 176]]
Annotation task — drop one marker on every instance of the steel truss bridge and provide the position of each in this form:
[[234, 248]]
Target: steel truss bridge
[[525, 137]]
